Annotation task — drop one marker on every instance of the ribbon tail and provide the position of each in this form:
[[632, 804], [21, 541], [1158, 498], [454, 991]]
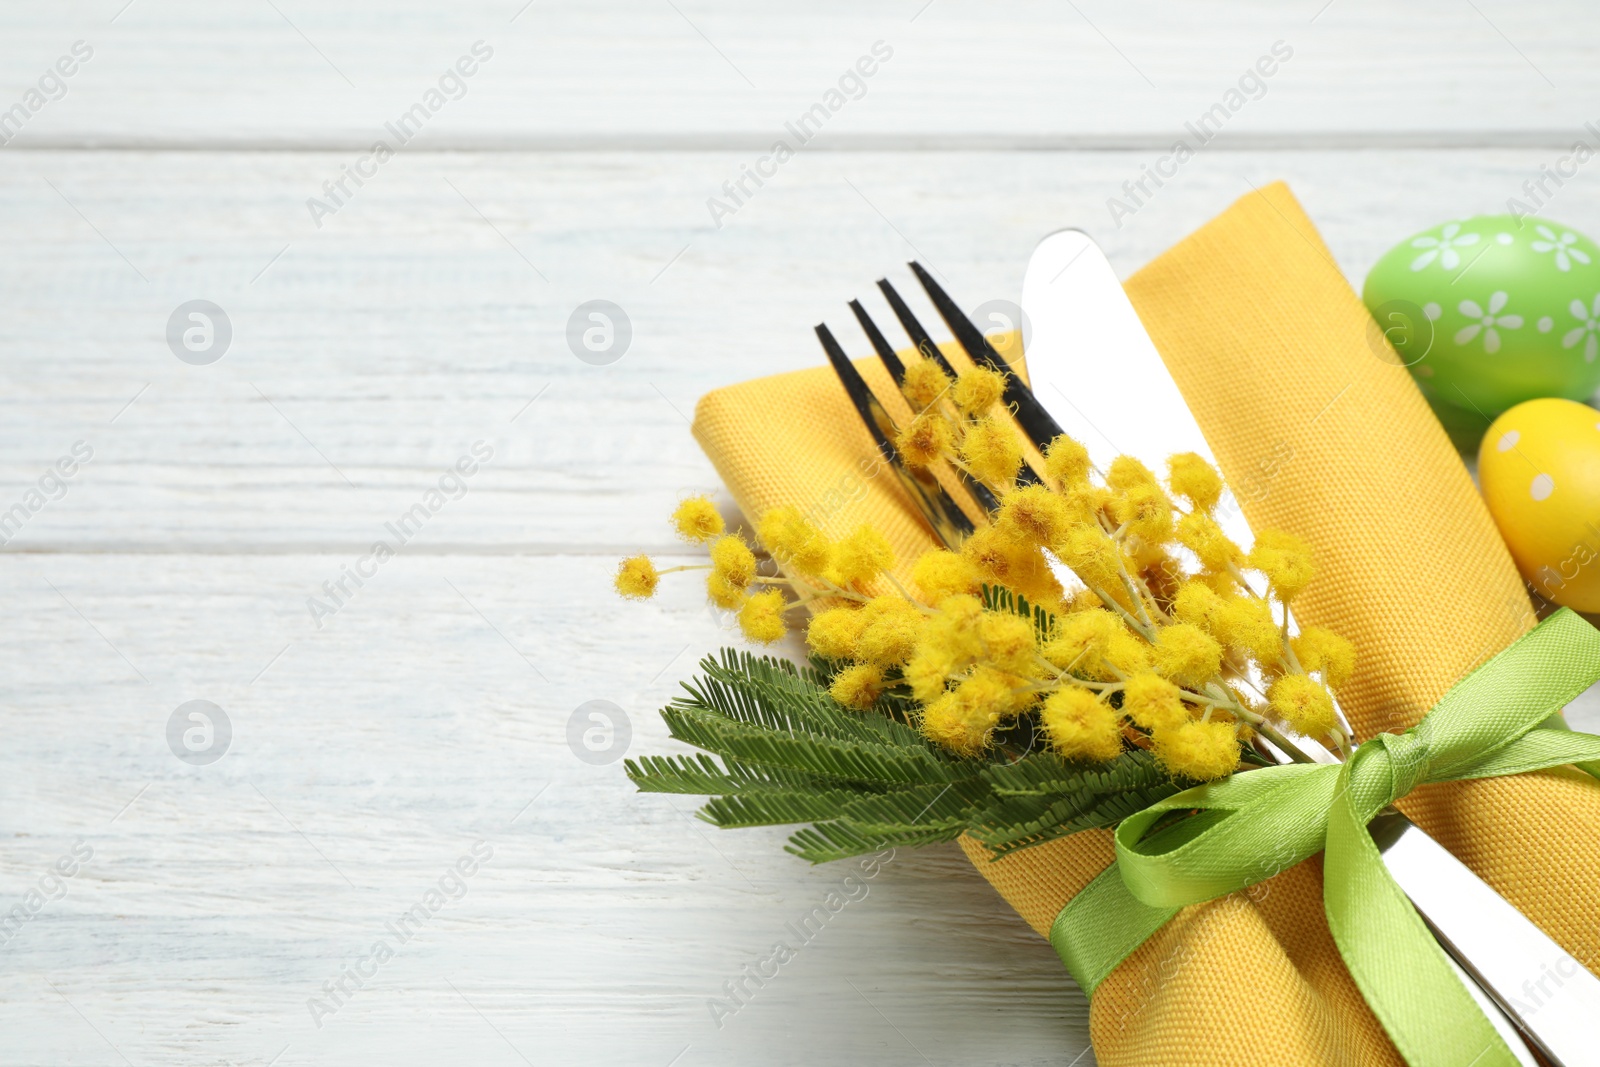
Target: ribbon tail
[[1101, 927], [1534, 751], [1400, 969], [1558, 722]]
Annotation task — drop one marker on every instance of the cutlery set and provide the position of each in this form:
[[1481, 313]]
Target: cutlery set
[[1088, 351]]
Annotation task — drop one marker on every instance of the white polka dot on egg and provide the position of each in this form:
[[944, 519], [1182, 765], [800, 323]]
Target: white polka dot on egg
[[1503, 238], [1508, 440], [1432, 310], [1545, 324], [1543, 485]]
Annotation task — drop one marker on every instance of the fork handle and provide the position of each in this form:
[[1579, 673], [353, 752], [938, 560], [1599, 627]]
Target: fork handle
[[1553, 1000]]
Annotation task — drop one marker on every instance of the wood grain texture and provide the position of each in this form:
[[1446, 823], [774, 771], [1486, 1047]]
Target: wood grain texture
[[378, 348], [371, 352], [364, 762], [634, 72]]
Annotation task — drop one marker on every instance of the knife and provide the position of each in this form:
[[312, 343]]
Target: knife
[[1089, 352]]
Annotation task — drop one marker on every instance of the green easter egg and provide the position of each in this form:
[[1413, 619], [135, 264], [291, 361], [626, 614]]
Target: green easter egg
[[1489, 312]]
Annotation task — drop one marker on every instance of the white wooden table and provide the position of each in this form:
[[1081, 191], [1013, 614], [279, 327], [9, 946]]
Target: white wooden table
[[430, 713]]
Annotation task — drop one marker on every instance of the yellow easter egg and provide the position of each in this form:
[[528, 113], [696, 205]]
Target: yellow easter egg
[[1539, 465]]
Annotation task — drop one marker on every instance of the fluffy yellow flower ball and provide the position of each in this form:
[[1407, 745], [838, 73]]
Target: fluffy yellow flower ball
[[925, 383], [1186, 654], [862, 556], [961, 722], [890, 627], [977, 389], [858, 686], [1200, 534], [1145, 511], [1127, 472], [1093, 556], [927, 673], [833, 633], [637, 578], [1086, 501], [1203, 751], [1306, 706], [697, 519], [1081, 726], [1286, 561], [1001, 557], [1192, 478], [1009, 641], [1036, 514], [793, 541], [761, 617], [1197, 604], [722, 592], [1000, 689], [1247, 623], [1153, 703], [992, 452], [1081, 639], [1083, 600], [733, 562], [952, 632], [925, 439], [1323, 650], [1127, 652], [1067, 462], [940, 573]]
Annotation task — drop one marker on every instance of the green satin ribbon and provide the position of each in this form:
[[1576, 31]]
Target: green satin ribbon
[[1247, 828]]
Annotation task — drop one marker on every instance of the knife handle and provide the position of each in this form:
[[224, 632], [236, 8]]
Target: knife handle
[[1553, 1000]]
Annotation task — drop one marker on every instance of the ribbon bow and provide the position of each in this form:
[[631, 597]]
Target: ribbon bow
[[1247, 828]]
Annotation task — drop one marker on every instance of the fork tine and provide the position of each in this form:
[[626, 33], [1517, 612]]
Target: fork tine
[[880, 344], [897, 370], [908, 322], [1035, 421], [947, 521], [924, 344]]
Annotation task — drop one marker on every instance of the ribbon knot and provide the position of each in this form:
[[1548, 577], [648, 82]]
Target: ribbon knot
[[1247, 828], [1390, 765]]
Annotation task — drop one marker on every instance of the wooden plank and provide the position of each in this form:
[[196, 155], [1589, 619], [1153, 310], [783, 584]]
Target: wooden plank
[[372, 755], [628, 72], [380, 347], [364, 762]]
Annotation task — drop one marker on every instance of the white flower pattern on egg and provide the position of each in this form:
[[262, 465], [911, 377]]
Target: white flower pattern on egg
[[1489, 323], [1590, 317], [1443, 247], [1562, 246]]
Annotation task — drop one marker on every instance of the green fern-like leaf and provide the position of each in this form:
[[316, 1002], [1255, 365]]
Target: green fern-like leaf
[[777, 749], [925, 807], [772, 694], [702, 775], [1035, 802], [1005, 839], [845, 761], [775, 807], [1040, 773], [830, 841]]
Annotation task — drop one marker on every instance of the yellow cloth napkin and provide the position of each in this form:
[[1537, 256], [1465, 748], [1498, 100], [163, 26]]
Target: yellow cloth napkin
[[1269, 345]]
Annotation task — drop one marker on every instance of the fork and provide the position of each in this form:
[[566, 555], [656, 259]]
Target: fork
[[939, 509], [1489, 942]]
